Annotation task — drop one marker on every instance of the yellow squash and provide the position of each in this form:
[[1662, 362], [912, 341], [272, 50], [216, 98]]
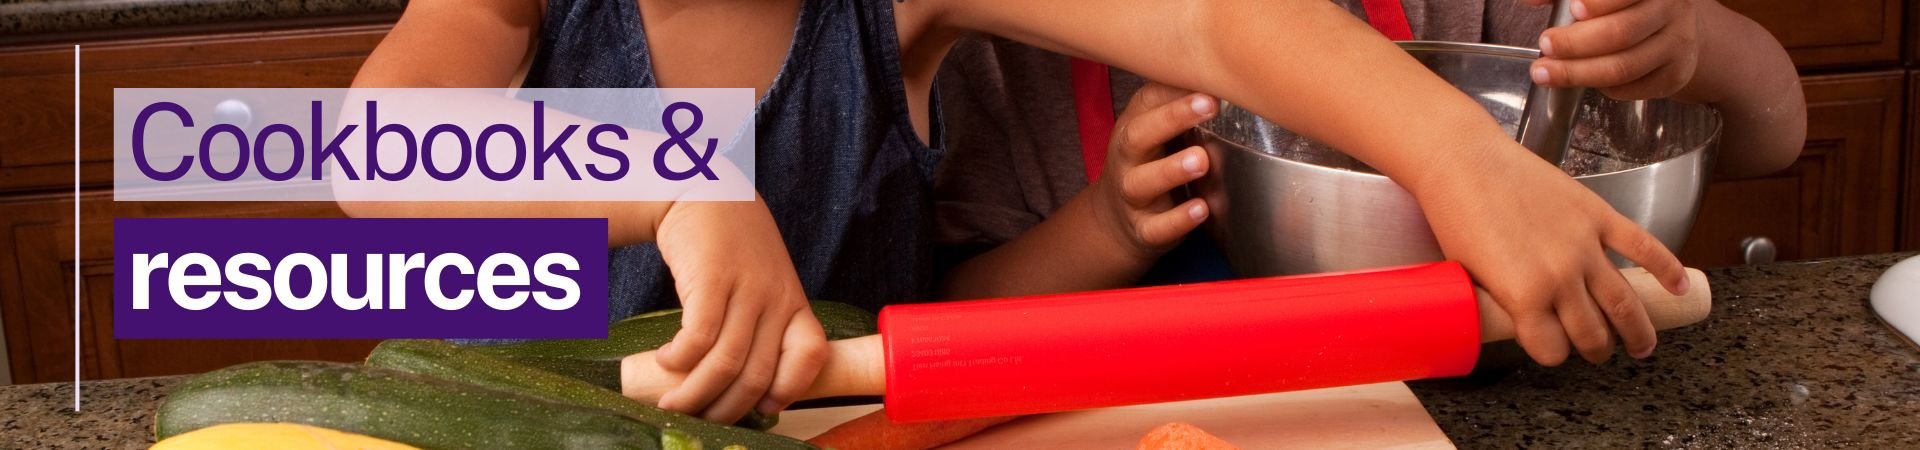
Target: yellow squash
[[285, 436]]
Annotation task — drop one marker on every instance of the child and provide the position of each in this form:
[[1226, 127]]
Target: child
[[1011, 182], [847, 106]]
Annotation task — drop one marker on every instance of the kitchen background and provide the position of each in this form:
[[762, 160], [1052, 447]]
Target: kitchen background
[[1855, 189]]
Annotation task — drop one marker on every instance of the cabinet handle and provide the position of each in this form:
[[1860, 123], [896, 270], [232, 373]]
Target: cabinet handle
[[1757, 250], [233, 111]]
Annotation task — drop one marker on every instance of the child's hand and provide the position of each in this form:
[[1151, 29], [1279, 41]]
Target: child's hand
[[1629, 49], [1536, 240], [748, 339], [1132, 190]]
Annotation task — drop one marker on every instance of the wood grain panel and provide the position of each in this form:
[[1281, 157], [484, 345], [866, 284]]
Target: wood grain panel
[[1840, 198], [36, 293], [1832, 33], [37, 85]]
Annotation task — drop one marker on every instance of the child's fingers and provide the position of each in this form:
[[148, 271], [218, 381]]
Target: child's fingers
[[700, 320], [1637, 245], [1539, 333], [1661, 83], [1622, 307], [1601, 71], [717, 370], [1588, 9], [1146, 183], [803, 352], [1149, 96], [1167, 227], [1586, 326], [1602, 36], [1139, 137], [751, 385]]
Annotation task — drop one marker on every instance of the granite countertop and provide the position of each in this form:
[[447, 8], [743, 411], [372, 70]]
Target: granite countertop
[[1791, 357], [44, 17]]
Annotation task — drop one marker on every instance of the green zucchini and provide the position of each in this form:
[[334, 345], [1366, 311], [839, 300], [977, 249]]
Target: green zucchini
[[425, 412], [447, 361]]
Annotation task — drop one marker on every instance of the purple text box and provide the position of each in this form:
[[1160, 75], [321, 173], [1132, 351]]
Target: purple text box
[[552, 253]]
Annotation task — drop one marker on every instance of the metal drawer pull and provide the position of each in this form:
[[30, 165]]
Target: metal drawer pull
[[1757, 250]]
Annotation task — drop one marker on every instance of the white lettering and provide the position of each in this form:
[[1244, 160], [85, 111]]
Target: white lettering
[[142, 267], [178, 280], [316, 274], [249, 281], [438, 296], [569, 289]]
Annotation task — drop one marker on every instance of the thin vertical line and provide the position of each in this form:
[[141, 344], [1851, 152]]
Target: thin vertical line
[[76, 228]]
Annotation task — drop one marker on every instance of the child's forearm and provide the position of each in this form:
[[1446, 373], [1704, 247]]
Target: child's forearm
[[627, 222], [1064, 253], [1308, 65], [478, 44], [1748, 77]]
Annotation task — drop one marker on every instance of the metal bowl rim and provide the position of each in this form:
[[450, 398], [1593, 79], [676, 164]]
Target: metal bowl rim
[[1476, 49]]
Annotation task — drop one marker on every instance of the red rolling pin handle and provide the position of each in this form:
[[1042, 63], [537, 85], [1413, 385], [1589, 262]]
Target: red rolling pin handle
[[1149, 345]]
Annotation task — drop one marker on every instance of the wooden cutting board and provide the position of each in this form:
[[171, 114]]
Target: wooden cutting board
[[1384, 415]]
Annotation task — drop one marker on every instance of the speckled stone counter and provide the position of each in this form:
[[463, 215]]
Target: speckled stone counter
[[36, 17], [1792, 357]]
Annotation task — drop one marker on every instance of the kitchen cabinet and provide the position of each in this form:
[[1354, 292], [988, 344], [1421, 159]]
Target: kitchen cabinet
[[1840, 197], [1823, 34], [36, 189], [39, 309], [1855, 189]]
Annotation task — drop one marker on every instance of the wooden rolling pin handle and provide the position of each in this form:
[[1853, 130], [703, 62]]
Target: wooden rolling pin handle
[[1667, 311], [854, 367]]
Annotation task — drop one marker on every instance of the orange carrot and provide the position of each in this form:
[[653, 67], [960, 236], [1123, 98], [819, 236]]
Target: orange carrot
[[876, 432], [1180, 436]]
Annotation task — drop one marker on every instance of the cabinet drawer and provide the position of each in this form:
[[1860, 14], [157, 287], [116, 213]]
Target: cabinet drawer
[[1831, 33], [36, 293], [1840, 198], [37, 85]]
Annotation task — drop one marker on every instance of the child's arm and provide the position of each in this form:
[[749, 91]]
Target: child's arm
[[444, 44], [1527, 232], [749, 340], [1694, 50], [1107, 235]]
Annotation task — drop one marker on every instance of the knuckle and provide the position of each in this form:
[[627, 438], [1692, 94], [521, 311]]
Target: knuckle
[[1615, 32], [813, 354], [728, 365], [702, 337], [1615, 71], [755, 383], [1123, 135], [1619, 305], [1589, 339]]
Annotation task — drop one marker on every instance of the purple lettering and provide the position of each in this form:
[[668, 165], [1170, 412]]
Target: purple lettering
[[140, 147], [373, 145], [206, 152], [260, 151], [466, 151], [542, 150], [593, 142]]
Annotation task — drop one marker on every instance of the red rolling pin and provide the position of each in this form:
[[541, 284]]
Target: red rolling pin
[[1049, 353]]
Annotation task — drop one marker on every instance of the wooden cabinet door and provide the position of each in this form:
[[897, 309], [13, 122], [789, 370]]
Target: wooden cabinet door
[[36, 294], [1910, 200], [1831, 33], [36, 87], [1840, 198]]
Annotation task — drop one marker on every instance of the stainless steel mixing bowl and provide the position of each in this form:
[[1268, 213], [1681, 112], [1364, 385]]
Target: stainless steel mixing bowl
[[1284, 204]]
